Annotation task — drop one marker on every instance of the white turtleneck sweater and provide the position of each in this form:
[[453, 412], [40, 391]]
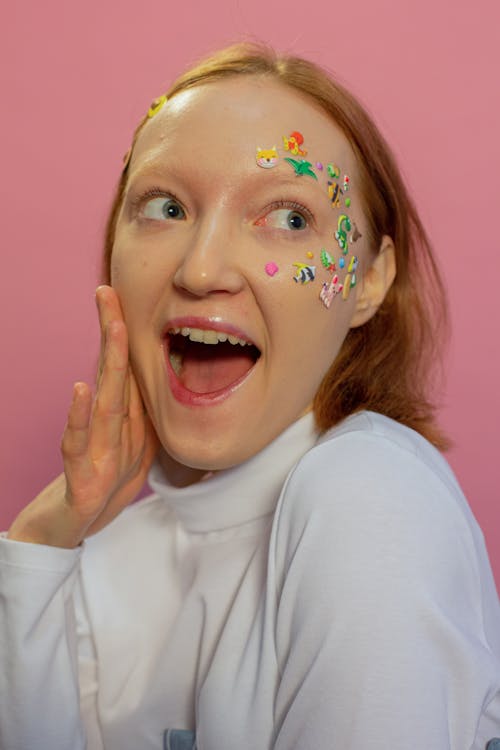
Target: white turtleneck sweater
[[333, 594]]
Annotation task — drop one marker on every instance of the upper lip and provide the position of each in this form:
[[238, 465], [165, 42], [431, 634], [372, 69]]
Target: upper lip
[[207, 324]]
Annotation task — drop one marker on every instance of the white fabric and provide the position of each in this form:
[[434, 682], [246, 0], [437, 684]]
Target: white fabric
[[359, 613]]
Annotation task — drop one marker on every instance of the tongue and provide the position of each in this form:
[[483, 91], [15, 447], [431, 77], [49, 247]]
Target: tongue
[[213, 367]]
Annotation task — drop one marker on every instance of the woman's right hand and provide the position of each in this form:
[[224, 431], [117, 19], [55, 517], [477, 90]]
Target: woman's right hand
[[108, 446]]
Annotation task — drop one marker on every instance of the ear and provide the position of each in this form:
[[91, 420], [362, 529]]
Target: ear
[[375, 283]]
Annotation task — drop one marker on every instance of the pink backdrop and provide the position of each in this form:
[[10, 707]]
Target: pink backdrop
[[75, 78]]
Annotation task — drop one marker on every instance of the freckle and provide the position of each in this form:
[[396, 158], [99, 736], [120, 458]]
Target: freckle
[[144, 264]]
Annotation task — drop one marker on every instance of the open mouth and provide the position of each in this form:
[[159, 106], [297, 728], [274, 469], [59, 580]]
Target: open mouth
[[208, 362]]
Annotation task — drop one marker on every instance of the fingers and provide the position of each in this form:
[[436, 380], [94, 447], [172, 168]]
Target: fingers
[[108, 307], [76, 434], [110, 406]]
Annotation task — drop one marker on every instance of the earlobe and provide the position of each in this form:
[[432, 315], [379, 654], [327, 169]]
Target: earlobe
[[375, 283]]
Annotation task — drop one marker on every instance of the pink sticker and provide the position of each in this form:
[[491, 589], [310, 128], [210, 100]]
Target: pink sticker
[[271, 269]]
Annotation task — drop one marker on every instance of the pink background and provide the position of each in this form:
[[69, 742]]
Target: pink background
[[76, 77]]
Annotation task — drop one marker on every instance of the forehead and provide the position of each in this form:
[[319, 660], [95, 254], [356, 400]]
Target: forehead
[[224, 122]]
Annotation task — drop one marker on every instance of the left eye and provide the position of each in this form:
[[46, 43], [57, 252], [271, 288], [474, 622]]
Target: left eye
[[285, 218], [161, 208]]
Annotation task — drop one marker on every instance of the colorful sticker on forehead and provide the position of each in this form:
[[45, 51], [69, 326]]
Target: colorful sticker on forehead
[[301, 167], [334, 193], [267, 157], [304, 273], [333, 171], [293, 143], [156, 105]]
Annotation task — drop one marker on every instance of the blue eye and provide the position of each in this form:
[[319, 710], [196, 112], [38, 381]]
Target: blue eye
[[286, 218], [161, 208]]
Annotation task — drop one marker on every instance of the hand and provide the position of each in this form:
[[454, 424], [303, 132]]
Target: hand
[[108, 446]]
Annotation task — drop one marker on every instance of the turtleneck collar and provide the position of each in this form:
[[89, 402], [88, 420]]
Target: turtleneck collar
[[243, 493]]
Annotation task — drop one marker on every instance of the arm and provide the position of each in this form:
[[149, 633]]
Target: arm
[[379, 628], [108, 445]]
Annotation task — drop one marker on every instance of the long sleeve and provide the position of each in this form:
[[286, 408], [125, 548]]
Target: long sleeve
[[380, 631], [39, 681]]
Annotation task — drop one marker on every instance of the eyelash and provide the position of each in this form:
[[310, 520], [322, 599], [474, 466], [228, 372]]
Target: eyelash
[[139, 201], [293, 206]]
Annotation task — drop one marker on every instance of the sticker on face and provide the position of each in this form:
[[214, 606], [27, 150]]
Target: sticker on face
[[334, 193], [343, 226], [301, 167], [329, 291], [333, 171], [304, 273], [271, 269], [267, 157], [293, 143], [327, 261], [356, 235]]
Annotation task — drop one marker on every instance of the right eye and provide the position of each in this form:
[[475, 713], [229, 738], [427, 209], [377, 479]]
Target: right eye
[[161, 208]]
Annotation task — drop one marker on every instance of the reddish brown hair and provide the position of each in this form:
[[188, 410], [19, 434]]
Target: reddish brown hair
[[387, 364]]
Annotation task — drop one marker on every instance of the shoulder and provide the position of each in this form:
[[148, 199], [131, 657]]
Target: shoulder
[[374, 498]]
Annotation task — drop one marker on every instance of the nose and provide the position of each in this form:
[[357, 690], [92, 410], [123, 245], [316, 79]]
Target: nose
[[210, 263]]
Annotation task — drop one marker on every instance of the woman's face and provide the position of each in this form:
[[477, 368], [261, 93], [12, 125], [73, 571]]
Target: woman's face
[[215, 242]]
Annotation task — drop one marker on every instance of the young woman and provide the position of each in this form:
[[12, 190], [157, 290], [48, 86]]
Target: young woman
[[307, 572]]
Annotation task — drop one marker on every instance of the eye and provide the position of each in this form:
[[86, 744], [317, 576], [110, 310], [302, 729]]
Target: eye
[[286, 218], [161, 208]]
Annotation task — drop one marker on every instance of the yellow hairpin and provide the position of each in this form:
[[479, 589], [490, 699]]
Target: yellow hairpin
[[156, 105]]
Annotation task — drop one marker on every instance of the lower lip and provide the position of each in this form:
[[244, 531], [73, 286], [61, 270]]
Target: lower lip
[[189, 398]]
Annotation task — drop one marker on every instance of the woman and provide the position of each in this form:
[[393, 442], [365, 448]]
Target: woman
[[307, 573]]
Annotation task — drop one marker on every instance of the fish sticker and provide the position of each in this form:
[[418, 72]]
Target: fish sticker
[[301, 167], [334, 193], [304, 273], [329, 291], [293, 143], [343, 226], [267, 157]]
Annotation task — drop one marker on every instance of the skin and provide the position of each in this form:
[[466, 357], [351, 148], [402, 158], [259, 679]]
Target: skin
[[208, 261]]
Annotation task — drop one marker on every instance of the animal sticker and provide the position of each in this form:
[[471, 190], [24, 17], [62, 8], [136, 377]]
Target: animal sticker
[[304, 273], [293, 143], [343, 226], [267, 157], [334, 193], [301, 167], [328, 291]]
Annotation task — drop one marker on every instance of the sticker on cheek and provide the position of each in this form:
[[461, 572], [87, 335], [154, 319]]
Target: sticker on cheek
[[353, 265], [293, 143], [271, 269], [304, 273], [319, 166], [267, 157], [346, 183], [327, 261], [343, 226], [310, 254], [329, 291], [356, 235], [301, 167]]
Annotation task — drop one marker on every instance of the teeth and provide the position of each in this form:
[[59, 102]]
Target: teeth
[[176, 362], [208, 336]]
